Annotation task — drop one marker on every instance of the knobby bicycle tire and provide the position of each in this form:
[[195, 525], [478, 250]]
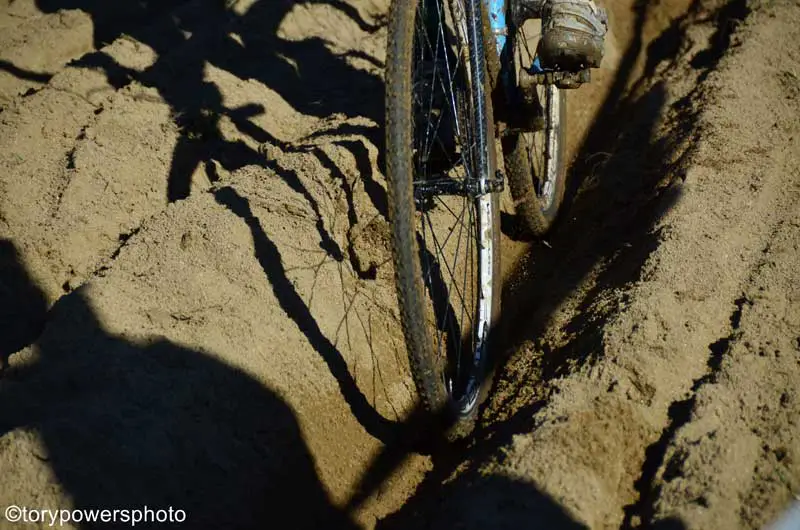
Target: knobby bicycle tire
[[429, 368], [523, 151]]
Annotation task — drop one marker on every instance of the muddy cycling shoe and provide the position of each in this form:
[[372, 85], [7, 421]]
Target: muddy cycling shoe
[[573, 34]]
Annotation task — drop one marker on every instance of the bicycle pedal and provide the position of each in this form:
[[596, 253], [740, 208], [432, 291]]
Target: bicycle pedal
[[562, 79], [576, 81]]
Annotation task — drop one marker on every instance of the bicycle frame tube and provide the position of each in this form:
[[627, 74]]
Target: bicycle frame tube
[[497, 21]]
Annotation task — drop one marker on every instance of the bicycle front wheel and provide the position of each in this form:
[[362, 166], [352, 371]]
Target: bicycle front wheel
[[445, 227]]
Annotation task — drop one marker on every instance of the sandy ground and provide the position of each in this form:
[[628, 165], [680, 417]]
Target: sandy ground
[[197, 306]]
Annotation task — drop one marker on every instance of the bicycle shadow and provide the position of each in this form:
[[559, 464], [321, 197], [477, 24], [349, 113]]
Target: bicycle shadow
[[129, 425], [268, 256], [307, 74]]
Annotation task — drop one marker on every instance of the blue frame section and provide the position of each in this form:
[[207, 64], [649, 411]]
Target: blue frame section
[[497, 21]]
